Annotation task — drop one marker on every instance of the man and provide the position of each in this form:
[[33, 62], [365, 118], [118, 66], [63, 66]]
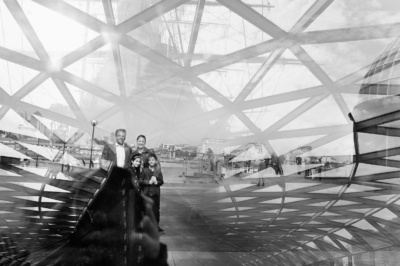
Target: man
[[117, 154], [298, 163], [262, 166], [281, 161]]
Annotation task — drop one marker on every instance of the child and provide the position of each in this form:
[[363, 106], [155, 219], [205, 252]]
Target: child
[[135, 170], [150, 181]]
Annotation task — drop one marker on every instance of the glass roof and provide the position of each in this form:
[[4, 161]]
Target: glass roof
[[314, 81]]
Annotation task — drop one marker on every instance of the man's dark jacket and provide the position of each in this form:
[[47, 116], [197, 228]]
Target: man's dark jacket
[[109, 156]]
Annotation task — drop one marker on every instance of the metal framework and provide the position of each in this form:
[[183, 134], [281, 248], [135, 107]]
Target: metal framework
[[277, 224]]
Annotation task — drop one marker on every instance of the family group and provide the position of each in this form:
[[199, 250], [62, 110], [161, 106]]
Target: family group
[[142, 163]]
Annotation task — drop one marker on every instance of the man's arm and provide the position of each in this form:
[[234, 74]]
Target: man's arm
[[128, 154], [105, 162]]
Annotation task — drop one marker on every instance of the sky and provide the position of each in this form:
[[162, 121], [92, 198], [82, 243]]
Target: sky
[[221, 32]]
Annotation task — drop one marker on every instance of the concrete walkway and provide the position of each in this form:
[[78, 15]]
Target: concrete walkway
[[189, 238]]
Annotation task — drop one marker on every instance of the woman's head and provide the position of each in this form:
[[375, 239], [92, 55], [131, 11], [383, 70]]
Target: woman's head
[[141, 141]]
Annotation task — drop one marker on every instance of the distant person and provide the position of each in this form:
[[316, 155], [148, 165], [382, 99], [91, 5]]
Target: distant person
[[67, 168], [298, 163], [262, 166], [26, 162], [277, 162], [150, 181], [143, 150], [281, 161], [117, 153], [248, 165], [307, 161], [274, 162], [223, 172]]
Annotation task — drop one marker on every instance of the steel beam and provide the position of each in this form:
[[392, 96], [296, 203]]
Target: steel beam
[[195, 32]]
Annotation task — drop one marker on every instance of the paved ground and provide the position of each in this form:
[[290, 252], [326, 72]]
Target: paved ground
[[189, 239]]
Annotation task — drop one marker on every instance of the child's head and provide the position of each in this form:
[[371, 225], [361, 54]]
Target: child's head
[[136, 160], [152, 160]]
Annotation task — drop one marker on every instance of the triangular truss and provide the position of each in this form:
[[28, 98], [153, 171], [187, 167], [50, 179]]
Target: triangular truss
[[126, 100], [323, 218]]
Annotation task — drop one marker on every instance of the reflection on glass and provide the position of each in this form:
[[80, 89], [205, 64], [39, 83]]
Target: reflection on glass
[[276, 129]]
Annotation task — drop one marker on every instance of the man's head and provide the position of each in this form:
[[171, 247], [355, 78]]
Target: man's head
[[120, 135], [141, 141]]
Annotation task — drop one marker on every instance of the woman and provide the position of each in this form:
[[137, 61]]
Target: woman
[[142, 150]]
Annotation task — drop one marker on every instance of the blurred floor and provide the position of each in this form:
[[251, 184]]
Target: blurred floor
[[189, 239]]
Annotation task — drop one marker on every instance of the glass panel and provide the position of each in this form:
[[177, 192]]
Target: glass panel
[[245, 105], [374, 107]]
